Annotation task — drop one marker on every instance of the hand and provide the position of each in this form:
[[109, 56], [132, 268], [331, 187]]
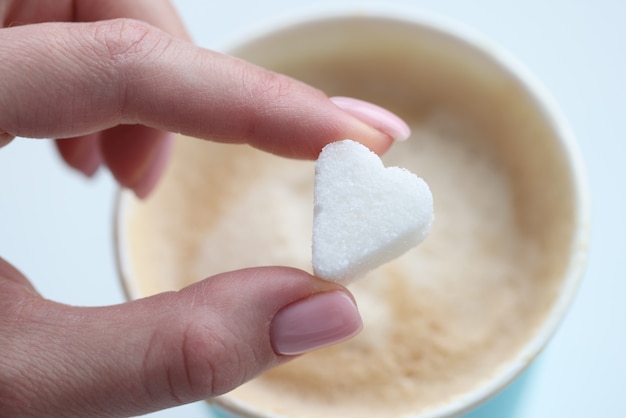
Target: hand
[[112, 89]]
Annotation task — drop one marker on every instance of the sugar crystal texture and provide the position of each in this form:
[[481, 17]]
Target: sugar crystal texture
[[364, 214]]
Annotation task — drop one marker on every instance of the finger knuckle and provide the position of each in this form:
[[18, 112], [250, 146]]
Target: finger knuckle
[[124, 50], [271, 91], [268, 99], [126, 40], [212, 366], [197, 365]]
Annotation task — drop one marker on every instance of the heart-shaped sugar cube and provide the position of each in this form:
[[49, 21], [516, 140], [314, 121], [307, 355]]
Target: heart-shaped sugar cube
[[364, 214]]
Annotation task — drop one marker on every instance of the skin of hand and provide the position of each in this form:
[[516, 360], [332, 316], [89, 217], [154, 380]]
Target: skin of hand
[[110, 80]]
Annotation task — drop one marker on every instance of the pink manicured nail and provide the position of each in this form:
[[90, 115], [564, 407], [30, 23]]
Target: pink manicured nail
[[375, 116], [318, 321], [153, 173]]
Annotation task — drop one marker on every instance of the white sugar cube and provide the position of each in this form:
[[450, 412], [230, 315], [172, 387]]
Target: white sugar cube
[[364, 214]]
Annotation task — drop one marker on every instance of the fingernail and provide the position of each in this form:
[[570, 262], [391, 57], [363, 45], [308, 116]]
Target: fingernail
[[375, 116], [89, 163], [315, 322], [81, 153], [151, 176]]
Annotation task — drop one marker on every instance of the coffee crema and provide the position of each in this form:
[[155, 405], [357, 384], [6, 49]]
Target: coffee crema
[[438, 321]]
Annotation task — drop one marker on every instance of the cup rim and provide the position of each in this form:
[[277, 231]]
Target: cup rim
[[543, 101], [513, 67]]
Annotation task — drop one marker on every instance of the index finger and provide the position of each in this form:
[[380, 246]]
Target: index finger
[[127, 72]]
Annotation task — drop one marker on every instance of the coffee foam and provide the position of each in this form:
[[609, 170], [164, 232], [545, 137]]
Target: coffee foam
[[438, 321]]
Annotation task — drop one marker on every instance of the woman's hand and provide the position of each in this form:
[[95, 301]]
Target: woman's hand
[[111, 89]]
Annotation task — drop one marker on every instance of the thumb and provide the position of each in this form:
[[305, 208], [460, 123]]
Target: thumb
[[171, 348]]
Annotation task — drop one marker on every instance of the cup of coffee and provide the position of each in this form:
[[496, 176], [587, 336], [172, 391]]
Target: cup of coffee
[[451, 322]]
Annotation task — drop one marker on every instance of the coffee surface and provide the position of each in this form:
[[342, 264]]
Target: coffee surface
[[436, 321], [439, 321]]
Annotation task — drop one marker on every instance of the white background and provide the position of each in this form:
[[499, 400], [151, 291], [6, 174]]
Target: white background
[[56, 226]]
